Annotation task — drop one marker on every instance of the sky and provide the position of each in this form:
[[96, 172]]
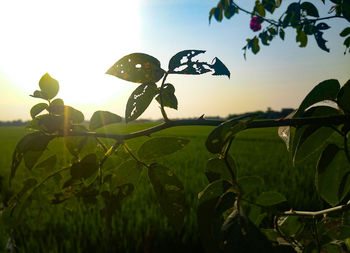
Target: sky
[[77, 41]]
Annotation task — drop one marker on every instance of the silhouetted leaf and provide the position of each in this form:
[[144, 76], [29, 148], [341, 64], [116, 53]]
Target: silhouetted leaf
[[219, 68], [239, 234], [309, 138], [137, 68], [321, 42], [38, 108], [260, 9], [269, 5], [343, 98], [218, 14], [331, 168], [230, 11], [217, 169], [346, 10], [270, 198], [139, 100], [326, 90], [250, 184], [56, 107], [345, 32], [49, 86], [253, 44], [85, 168], [182, 63], [160, 146], [292, 15], [218, 138], [302, 38], [127, 172], [170, 193], [281, 33], [36, 141], [168, 96], [103, 118], [310, 9], [322, 26]]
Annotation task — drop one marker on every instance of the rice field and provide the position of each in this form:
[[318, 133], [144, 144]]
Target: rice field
[[140, 226]]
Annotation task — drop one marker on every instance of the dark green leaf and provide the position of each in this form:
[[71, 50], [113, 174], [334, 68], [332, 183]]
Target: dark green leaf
[[38, 108], [56, 107], [31, 157], [331, 168], [326, 90], [225, 202], [253, 44], [27, 185], [230, 11], [85, 168], [219, 68], [161, 146], [103, 118], [321, 42], [48, 164], [168, 96], [239, 234], [269, 5], [310, 9], [137, 68], [211, 13], [182, 63], [346, 10], [259, 8], [281, 33], [127, 172], [36, 141], [250, 184], [75, 144], [218, 138], [49, 86], [270, 198], [345, 32], [302, 38], [217, 169], [218, 14], [272, 31], [48, 123], [139, 100], [339, 232], [290, 225], [343, 98], [170, 193]]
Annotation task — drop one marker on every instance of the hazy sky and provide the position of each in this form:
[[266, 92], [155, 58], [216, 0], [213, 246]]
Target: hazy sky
[[77, 41]]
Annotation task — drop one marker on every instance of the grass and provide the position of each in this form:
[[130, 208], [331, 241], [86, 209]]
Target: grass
[[141, 226]]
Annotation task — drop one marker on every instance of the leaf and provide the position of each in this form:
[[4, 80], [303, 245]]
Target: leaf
[[310, 9], [170, 193], [309, 138], [49, 86], [321, 42], [259, 8], [75, 144], [218, 14], [139, 101], [31, 157], [85, 168], [127, 173], [326, 90], [137, 68], [56, 107], [218, 138], [168, 96], [281, 33], [331, 168], [239, 234], [47, 164], [38, 108], [269, 5], [250, 184], [343, 97], [27, 185], [182, 63], [48, 123], [345, 32], [302, 38], [290, 225], [230, 11], [73, 114], [160, 146], [270, 198], [103, 118], [209, 219], [219, 68], [39, 94], [322, 26], [217, 169], [346, 10], [253, 44], [36, 141]]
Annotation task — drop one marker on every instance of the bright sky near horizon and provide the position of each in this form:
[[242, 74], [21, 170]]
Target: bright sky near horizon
[[77, 41]]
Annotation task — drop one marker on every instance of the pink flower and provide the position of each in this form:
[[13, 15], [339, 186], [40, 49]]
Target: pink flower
[[255, 24]]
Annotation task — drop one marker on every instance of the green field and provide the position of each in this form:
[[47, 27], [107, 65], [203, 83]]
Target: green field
[[141, 226]]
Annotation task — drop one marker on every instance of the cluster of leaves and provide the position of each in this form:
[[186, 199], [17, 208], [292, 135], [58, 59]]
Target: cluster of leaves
[[234, 213], [303, 16]]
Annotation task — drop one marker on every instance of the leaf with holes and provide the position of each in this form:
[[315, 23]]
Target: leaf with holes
[[38, 108], [103, 118], [139, 100], [161, 146], [137, 68], [170, 193], [168, 96], [182, 63], [48, 86]]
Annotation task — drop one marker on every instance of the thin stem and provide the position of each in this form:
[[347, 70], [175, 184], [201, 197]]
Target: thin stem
[[102, 144], [134, 157], [161, 98]]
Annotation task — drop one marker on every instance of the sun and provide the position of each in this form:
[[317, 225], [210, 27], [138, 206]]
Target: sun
[[74, 41]]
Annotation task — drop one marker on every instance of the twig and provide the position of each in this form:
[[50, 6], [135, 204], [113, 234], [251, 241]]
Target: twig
[[317, 213]]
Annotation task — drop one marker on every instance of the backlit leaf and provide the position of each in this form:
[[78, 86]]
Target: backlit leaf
[[217, 169], [170, 193], [161, 146], [168, 96], [85, 168], [56, 107], [137, 68], [39, 94], [103, 118], [49, 86], [182, 63], [127, 172], [48, 164], [270, 198], [48, 123], [38, 108], [139, 100], [73, 114]]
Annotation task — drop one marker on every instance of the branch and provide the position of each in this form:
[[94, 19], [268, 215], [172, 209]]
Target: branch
[[317, 213]]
